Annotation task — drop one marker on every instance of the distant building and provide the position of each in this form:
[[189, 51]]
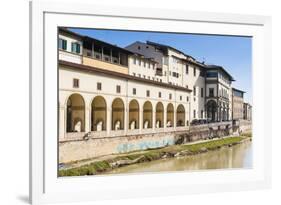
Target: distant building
[[218, 93], [237, 104], [247, 111]]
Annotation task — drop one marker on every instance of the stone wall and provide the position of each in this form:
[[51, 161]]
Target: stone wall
[[203, 132], [95, 147], [85, 149]]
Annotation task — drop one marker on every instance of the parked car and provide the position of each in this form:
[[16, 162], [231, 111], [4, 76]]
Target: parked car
[[194, 122], [202, 121]]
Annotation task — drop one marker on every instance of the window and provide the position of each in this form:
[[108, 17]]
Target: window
[[139, 47], [187, 99], [202, 114], [62, 44], [147, 93], [75, 47], [98, 86], [194, 90], [134, 74], [176, 75], [180, 97], [135, 61], [76, 83], [139, 62], [212, 74], [97, 51], [211, 92], [186, 69], [118, 89], [106, 54], [134, 91], [202, 92], [144, 64], [194, 113], [159, 94], [194, 71], [170, 96]]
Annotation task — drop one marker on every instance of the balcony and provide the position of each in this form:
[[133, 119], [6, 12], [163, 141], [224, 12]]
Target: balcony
[[104, 65]]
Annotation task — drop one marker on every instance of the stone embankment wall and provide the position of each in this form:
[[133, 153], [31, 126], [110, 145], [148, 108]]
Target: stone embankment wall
[[242, 126], [202, 132], [96, 147]]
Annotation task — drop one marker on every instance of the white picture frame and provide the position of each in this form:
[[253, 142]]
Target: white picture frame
[[46, 187]]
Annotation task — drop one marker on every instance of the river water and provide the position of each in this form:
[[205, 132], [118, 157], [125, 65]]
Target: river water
[[238, 156]]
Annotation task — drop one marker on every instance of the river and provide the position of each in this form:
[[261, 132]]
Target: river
[[238, 156]]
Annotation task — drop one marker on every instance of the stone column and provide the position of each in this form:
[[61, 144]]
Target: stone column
[[140, 119], [126, 118], [87, 119], [175, 117], [62, 122], [153, 119], [165, 118], [186, 117], [108, 120]]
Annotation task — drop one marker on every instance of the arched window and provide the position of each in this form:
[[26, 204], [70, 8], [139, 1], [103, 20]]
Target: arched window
[[98, 119], [159, 115], [117, 114], [134, 115], [212, 110], [75, 119], [147, 115], [180, 116], [170, 115]]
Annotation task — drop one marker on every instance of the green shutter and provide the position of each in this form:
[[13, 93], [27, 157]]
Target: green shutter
[[72, 47], [60, 43], [78, 48], [64, 44]]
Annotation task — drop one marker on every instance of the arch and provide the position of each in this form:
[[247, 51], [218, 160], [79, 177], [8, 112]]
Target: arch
[[98, 118], [170, 115], [134, 114], [75, 113], [159, 115], [180, 115], [147, 115], [117, 114], [212, 110]]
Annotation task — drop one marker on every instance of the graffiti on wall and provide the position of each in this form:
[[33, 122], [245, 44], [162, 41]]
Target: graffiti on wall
[[127, 147]]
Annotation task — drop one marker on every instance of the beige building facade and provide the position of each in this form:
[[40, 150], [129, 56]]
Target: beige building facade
[[238, 103]]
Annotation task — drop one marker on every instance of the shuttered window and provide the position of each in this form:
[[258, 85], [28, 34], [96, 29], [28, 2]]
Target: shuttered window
[[62, 44]]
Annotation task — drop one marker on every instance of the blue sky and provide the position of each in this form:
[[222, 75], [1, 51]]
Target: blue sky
[[232, 52]]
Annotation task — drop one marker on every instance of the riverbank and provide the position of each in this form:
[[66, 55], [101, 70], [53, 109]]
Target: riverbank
[[111, 162]]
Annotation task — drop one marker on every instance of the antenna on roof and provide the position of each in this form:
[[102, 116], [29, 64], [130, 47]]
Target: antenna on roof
[[203, 60]]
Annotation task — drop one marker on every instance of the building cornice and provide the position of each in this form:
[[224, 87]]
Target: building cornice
[[119, 75]]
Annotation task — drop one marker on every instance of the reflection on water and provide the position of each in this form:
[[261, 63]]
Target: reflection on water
[[238, 156]]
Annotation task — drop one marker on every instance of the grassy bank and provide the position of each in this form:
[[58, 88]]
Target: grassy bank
[[99, 167]]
